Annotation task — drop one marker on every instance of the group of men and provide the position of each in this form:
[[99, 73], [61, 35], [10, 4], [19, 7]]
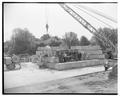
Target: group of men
[[68, 56]]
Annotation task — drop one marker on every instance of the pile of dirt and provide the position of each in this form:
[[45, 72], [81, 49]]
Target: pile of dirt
[[100, 83], [90, 83], [29, 65], [114, 73]]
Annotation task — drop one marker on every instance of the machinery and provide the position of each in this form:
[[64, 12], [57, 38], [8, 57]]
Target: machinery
[[12, 63], [89, 27], [66, 55], [112, 53]]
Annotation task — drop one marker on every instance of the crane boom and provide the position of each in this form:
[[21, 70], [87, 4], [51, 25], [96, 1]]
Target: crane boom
[[88, 26]]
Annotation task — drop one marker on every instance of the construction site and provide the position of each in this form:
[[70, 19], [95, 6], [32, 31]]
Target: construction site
[[65, 68]]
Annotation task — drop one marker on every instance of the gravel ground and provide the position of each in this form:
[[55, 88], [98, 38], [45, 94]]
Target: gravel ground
[[90, 83]]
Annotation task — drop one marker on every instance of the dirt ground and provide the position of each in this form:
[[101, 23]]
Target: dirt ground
[[90, 83], [29, 74]]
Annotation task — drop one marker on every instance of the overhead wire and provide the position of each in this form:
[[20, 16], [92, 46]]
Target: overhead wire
[[74, 14], [93, 16], [96, 18], [99, 13]]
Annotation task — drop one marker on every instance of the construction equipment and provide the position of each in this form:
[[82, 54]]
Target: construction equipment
[[12, 63], [102, 38], [88, 26]]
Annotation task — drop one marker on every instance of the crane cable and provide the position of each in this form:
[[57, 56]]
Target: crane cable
[[93, 16], [96, 18], [46, 16], [86, 24], [99, 13]]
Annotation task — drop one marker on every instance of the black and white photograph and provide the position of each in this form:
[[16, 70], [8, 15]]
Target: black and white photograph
[[60, 48]]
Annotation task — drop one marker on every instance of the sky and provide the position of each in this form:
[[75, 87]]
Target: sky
[[35, 16]]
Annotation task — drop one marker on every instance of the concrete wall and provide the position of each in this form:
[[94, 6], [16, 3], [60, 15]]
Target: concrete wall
[[91, 51], [86, 47], [94, 52], [77, 64], [95, 56]]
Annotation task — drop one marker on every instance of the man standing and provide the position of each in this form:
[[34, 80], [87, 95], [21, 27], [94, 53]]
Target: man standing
[[106, 65]]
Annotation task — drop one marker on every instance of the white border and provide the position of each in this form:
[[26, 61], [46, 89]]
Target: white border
[[58, 1]]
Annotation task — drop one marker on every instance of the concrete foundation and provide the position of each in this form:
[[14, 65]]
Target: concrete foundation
[[77, 64]]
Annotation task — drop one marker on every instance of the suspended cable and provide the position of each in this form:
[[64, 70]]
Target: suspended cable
[[87, 25], [94, 17], [98, 13], [46, 16]]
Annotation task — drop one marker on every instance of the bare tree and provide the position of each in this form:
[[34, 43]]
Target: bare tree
[[70, 39]]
